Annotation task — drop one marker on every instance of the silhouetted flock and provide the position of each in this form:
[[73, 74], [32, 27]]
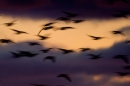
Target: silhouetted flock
[[68, 18]]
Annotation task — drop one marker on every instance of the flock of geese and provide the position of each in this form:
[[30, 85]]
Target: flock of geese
[[67, 18]]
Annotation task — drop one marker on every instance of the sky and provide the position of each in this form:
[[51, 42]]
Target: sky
[[31, 15]]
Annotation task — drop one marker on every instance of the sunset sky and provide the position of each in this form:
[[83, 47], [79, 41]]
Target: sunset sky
[[98, 21]]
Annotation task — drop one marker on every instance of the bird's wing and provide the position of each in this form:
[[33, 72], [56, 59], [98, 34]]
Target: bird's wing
[[68, 78], [125, 59], [15, 30]]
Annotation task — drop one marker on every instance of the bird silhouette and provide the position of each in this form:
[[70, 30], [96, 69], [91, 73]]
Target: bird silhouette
[[123, 57], [33, 43], [19, 32], [78, 21], [95, 56], [70, 14], [10, 23], [52, 58], [6, 41], [123, 12], [66, 76], [48, 24], [46, 36], [127, 41], [65, 28], [46, 50], [45, 28], [63, 19], [27, 53], [96, 37], [38, 84], [84, 49], [122, 73], [65, 51], [120, 16], [126, 67], [16, 55], [118, 32]]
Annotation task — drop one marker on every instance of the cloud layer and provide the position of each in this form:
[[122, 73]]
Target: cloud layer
[[53, 8]]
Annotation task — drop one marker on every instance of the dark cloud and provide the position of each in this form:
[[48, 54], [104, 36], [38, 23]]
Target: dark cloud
[[53, 8], [23, 71]]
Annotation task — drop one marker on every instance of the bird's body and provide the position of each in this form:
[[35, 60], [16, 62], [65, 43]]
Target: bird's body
[[66, 76], [43, 37], [16, 55], [6, 41], [52, 58], [96, 37], [127, 41], [65, 28], [63, 18], [10, 23], [65, 51], [45, 28], [33, 43], [70, 14], [123, 73], [95, 56], [27, 53], [118, 32], [127, 67], [19, 32], [123, 57], [48, 24], [84, 49], [77, 21], [46, 50]]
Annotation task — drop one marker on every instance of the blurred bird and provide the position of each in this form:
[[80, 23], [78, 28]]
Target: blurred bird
[[48, 24], [52, 58], [95, 56], [46, 36], [45, 28], [127, 41], [66, 76], [120, 16], [65, 28], [66, 51], [27, 53], [123, 57], [123, 73], [46, 50], [126, 67], [19, 32], [78, 21], [16, 55], [10, 23], [85, 49], [96, 37], [70, 14], [118, 32], [123, 12], [6, 41], [63, 19], [33, 43]]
